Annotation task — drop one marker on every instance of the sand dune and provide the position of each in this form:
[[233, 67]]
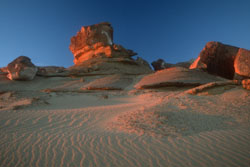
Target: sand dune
[[165, 127]]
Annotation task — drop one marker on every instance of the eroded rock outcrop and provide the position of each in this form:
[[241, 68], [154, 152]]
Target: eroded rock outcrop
[[96, 41], [21, 69], [95, 52], [176, 77], [217, 58]]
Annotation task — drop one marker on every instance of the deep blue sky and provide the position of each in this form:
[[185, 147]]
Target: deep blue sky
[[175, 30]]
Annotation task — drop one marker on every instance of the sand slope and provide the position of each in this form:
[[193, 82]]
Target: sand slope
[[165, 127]]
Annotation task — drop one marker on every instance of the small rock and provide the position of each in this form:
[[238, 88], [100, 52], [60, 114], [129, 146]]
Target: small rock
[[246, 84], [160, 64], [21, 69]]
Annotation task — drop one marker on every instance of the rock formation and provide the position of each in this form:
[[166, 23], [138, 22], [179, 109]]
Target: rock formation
[[217, 58], [160, 64], [242, 64], [21, 69], [177, 77], [94, 50]]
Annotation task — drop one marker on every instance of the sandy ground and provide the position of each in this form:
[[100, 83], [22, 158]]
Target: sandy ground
[[66, 126]]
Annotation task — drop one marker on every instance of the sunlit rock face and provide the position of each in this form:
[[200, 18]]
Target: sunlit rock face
[[242, 64], [21, 69], [96, 41], [217, 58], [246, 84], [95, 53]]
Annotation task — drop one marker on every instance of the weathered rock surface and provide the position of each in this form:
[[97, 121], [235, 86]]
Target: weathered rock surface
[[224, 60], [246, 84], [242, 63], [160, 64], [96, 41], [52, 71], [21, 69], [176, 76], [217, 58], [95, 52], [113, 82], [108, 66]]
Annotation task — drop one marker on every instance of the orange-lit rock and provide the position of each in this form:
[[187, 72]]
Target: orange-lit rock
[[246, 84], [242, 63], [95, 53], [96, 41], [90, 35], [217, 58]]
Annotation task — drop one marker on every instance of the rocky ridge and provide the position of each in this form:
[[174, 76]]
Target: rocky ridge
[[95, 54]]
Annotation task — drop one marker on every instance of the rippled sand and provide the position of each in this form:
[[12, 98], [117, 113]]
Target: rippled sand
[[151, 128]]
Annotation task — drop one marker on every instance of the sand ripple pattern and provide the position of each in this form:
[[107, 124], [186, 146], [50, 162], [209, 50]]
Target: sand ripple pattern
[[77, 138]]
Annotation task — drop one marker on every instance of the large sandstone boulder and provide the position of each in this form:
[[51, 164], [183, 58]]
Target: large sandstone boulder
[[21, 69], [177, 77], [217, 58], [242, 63], [96, 41], [95, 53]]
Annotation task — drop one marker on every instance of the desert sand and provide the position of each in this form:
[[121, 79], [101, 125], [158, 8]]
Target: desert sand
[[58, 121]]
